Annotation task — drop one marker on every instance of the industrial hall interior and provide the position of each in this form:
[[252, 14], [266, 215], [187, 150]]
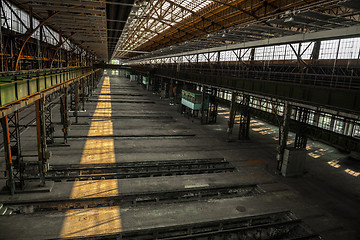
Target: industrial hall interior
[[180, 119]]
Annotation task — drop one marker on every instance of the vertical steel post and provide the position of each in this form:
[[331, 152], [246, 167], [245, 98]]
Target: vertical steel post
[[7, 150], [244, 127], [39, 53], [64, 113], [1, 38], [87, 90], [300, 137], [15, 145], [49, 124], [203, 105], [232, 116], [41, 138], [92, 83], [83, 94], [89, 85], [60, 58], [214, 106], [171, 93], [283, 136], [76, 85]]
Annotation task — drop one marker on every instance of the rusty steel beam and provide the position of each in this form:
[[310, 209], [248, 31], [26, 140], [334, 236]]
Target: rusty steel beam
[[241, 10], [58, 47], [29, 36]]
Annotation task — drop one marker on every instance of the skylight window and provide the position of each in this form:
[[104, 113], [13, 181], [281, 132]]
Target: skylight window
[[155, 18]]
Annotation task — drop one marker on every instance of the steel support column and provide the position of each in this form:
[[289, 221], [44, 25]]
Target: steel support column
[[83, 94], [15, 145], [283, 134], [87, 88], [163, 89], [75, 100], [148, 85], [39, 52], [1, 39], [171, 92], [76, 85], [96, 80], [64, 112], [41, 138], [213, 106], [232, 116], [204, 118], [49, 126], [10, 183], [315, 52], [91, 84], [244, 127], [156, 85], [301, 136]]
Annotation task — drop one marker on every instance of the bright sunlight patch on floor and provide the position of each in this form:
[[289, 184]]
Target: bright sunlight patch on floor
[[101, 128], [104, 220], [91, 189], [334, 163], [352, 173], [92, 221], [98, 151]]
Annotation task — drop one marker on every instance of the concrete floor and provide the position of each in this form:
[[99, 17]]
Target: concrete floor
[[326, 197]]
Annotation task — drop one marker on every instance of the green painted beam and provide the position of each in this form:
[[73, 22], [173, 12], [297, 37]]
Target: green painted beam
[[17, 85]]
